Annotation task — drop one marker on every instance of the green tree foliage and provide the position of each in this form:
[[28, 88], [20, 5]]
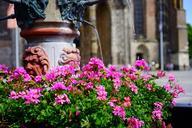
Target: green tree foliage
[[189, 28]]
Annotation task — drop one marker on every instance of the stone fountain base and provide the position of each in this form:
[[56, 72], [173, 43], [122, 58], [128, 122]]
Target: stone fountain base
[[49, 44]]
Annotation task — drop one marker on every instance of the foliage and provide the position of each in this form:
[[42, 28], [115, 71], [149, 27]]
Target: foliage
[[189, 28], [93, 96]]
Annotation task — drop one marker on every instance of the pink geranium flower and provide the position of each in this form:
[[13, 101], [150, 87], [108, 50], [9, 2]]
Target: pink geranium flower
[[38, 79], [146, 77], [149, 86], [134, 122], [89, 86], [158, 105], [20, 72], [127, 102], [167, 87], [133, 88], [3, 69], [142, 64], [157, 115], [62, 99], [171, 77], [13, 95], [58, 86], [32, 96], [160, 73], [101, 93], [117, 83], [119, 111]]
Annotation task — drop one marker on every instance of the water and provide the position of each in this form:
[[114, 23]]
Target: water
[[99, 43], [97, 36]]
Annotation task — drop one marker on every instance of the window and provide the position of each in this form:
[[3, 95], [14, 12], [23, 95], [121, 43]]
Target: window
[[138, 17]]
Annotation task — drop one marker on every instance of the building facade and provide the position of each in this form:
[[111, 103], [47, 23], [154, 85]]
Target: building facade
[[169, 16], [130, 30], [114, 23]]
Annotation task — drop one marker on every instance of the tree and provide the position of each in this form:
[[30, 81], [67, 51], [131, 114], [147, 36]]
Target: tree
[[189, 29]]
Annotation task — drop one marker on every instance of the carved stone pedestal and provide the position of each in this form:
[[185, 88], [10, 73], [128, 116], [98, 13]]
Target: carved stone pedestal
[[49, 44]]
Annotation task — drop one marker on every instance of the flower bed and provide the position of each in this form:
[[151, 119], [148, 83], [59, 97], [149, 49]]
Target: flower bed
[[93, 96]]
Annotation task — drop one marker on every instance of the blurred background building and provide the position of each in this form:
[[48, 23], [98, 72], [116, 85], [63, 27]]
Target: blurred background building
[[128, 30]]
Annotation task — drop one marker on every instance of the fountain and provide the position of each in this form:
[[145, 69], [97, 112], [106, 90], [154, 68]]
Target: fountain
[[49, 26]]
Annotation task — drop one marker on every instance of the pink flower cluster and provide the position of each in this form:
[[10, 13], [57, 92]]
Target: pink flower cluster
[[14, 95], [167, 87], [101, 93], [119, 111], [130, 72], [115, 76], [20, 73], [127, 102], [61, 71], [146, 77], [62, 99], [94, 70], [94, 64], [171, 77], [142, 64], [112, 102], [160, 73], [38, 79], [59, 86], [134, 122], [30, 96], [95, 79], [177, 89], [157, 112], [149, 87], [89, 86], [4, 69], [133, 88], [128, 69]]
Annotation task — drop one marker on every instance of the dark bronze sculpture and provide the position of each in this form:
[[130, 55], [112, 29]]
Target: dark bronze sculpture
[[73, 10], [27, 11]]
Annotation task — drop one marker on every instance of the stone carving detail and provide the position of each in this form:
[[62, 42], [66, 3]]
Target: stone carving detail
[[36, 61], [69, 54]]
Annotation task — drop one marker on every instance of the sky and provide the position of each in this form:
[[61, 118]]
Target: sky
[[188, 8]]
